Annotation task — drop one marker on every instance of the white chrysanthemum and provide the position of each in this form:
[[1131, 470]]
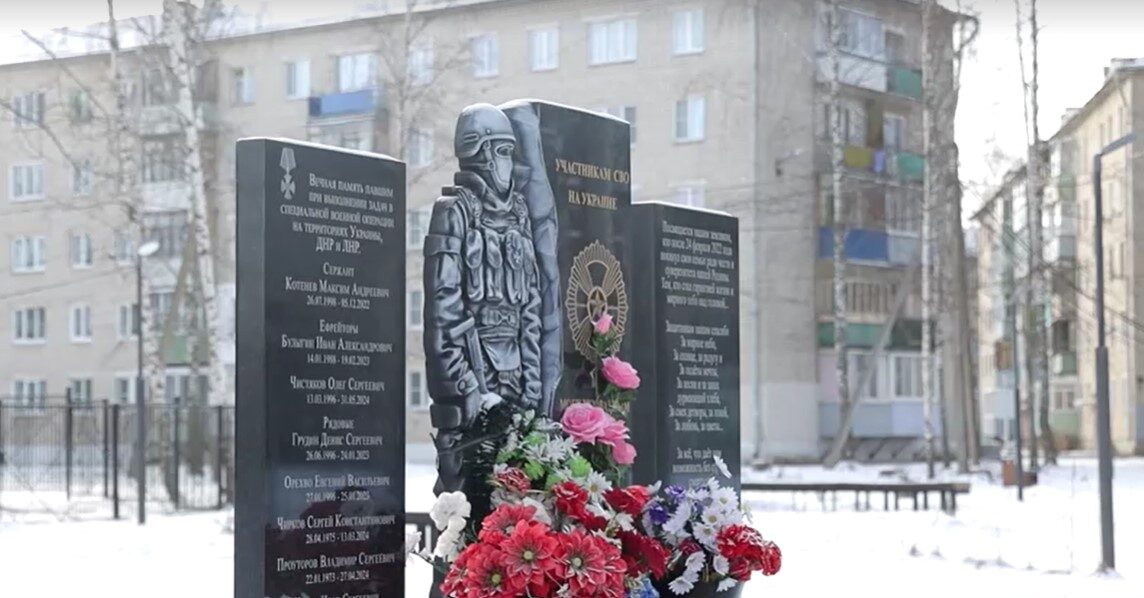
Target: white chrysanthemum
[[624, 521], [541, 515], [724, 498], [720, 564], [698, 494], [722, 466], [694, 564], [449, 543], [726, 584], [560, 449], [596, 485], [450, 506], [412, 541], [705, 534], [681, 585], [679, 519]]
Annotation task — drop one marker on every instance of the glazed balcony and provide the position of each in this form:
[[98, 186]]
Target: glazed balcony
[[362, 102]]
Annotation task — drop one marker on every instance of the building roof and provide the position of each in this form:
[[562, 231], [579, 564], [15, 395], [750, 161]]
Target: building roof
[[1114, 74]]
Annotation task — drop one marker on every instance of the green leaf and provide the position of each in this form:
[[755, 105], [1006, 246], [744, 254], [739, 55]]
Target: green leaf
[[579, 467], [533, 470]]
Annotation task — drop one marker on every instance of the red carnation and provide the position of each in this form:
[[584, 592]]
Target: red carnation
[[689, 547], [630, 500], [570, 498], [513, 478], [772, 558], [643, 554], [501, 522]]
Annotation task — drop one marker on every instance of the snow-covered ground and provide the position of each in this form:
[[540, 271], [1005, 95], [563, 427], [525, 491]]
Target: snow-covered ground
[[1046, 547]]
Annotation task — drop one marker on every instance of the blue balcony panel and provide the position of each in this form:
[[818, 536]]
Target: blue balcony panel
[[860, 244], [343, 104]]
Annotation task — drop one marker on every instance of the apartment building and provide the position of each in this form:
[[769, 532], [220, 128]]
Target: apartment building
[[1068, 221], [727, 104]]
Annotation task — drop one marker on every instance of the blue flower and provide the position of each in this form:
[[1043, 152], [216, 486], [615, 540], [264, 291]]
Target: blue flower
[[674, 492], [645, 590], [657, 512]]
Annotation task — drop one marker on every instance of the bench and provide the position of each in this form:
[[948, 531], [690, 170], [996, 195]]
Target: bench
[[946, 491]]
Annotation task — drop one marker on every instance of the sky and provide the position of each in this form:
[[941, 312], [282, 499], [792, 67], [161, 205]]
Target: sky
[[1078, 38]]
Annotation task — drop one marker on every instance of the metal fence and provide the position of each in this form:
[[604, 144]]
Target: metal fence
[[57, 453]]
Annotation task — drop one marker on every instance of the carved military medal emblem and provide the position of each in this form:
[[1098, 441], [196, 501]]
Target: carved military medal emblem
[[595, 286]]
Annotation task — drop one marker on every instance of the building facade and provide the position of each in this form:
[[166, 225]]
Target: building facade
[[728, 105]]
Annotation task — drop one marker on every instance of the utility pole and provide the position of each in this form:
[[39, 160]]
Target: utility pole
[[1103, 409]]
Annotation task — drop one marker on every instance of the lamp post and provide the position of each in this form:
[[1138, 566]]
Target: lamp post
[[145, 250], [1103, 415]]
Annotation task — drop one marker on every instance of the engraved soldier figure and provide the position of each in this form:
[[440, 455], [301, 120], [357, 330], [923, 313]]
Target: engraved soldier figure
[[482, 302]]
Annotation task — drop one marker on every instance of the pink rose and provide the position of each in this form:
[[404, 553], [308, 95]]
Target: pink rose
[[584, 423], [621, 373], [614, 433], [624, 453], [603, 323]]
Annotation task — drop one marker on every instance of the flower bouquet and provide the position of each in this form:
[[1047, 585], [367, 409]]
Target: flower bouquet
[[713, 551]]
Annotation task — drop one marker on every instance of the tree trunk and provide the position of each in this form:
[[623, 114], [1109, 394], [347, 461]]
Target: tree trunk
[[841, 370], [927, 242], [179, 29]]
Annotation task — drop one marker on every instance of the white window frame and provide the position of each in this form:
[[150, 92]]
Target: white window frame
[[35, 178], [28, 109], [688, 34], [692, 194], [36, 398], [79, 323], [297, 79], [415, 309], [29, 325], [124, 248], [28, 254], [422, 393], [355, 71], [613, 41], [81, 177], [544, 48], [916, 374], [863, 34], [876, 382], [242, 85], [420, 67], [81, 250], [81, 390], [80, 106], [485, 51], [901, 122], [419, 147], [131, 385], [127, 321], [417, 227], [691, 114]]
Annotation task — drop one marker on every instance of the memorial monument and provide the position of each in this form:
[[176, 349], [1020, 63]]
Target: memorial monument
[[320, 372]]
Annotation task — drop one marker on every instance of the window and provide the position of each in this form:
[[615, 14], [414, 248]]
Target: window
[[903, 211], [28, 325], [80, 250], [416, 304], [81, 177], [419, 149], [416, 390], [181, 386], [690, 195], [627, 113], [125, 389], [155, 90], [421, 65], [161, 160], [690, 115], [355, 72], [544, 48], [687, 32], [28, 254], [30, 393], [862, 35], [124, 247], [908, 375], [893, 132], [169, 230], [418, 228], [298, 79], [486, 55], [895, 48], [612, 41], [80, 390], [80, 106], [241, 86], [26, 182], [127, 323], [28, 109], [859, 364], [79, 326]]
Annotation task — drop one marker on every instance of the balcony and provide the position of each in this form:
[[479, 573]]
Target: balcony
[[1062, 248], [351, 103], [905, 335], [855, 70], [164, 119], [859, 245], [904, 82], [1066, 188], [910, 167], [904, 166], [1064, 364]]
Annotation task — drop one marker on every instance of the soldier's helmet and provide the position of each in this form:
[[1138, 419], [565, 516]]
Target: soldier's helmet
[[477, 124]]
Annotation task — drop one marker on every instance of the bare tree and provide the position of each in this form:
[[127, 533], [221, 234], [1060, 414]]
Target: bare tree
[[837, 162]]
